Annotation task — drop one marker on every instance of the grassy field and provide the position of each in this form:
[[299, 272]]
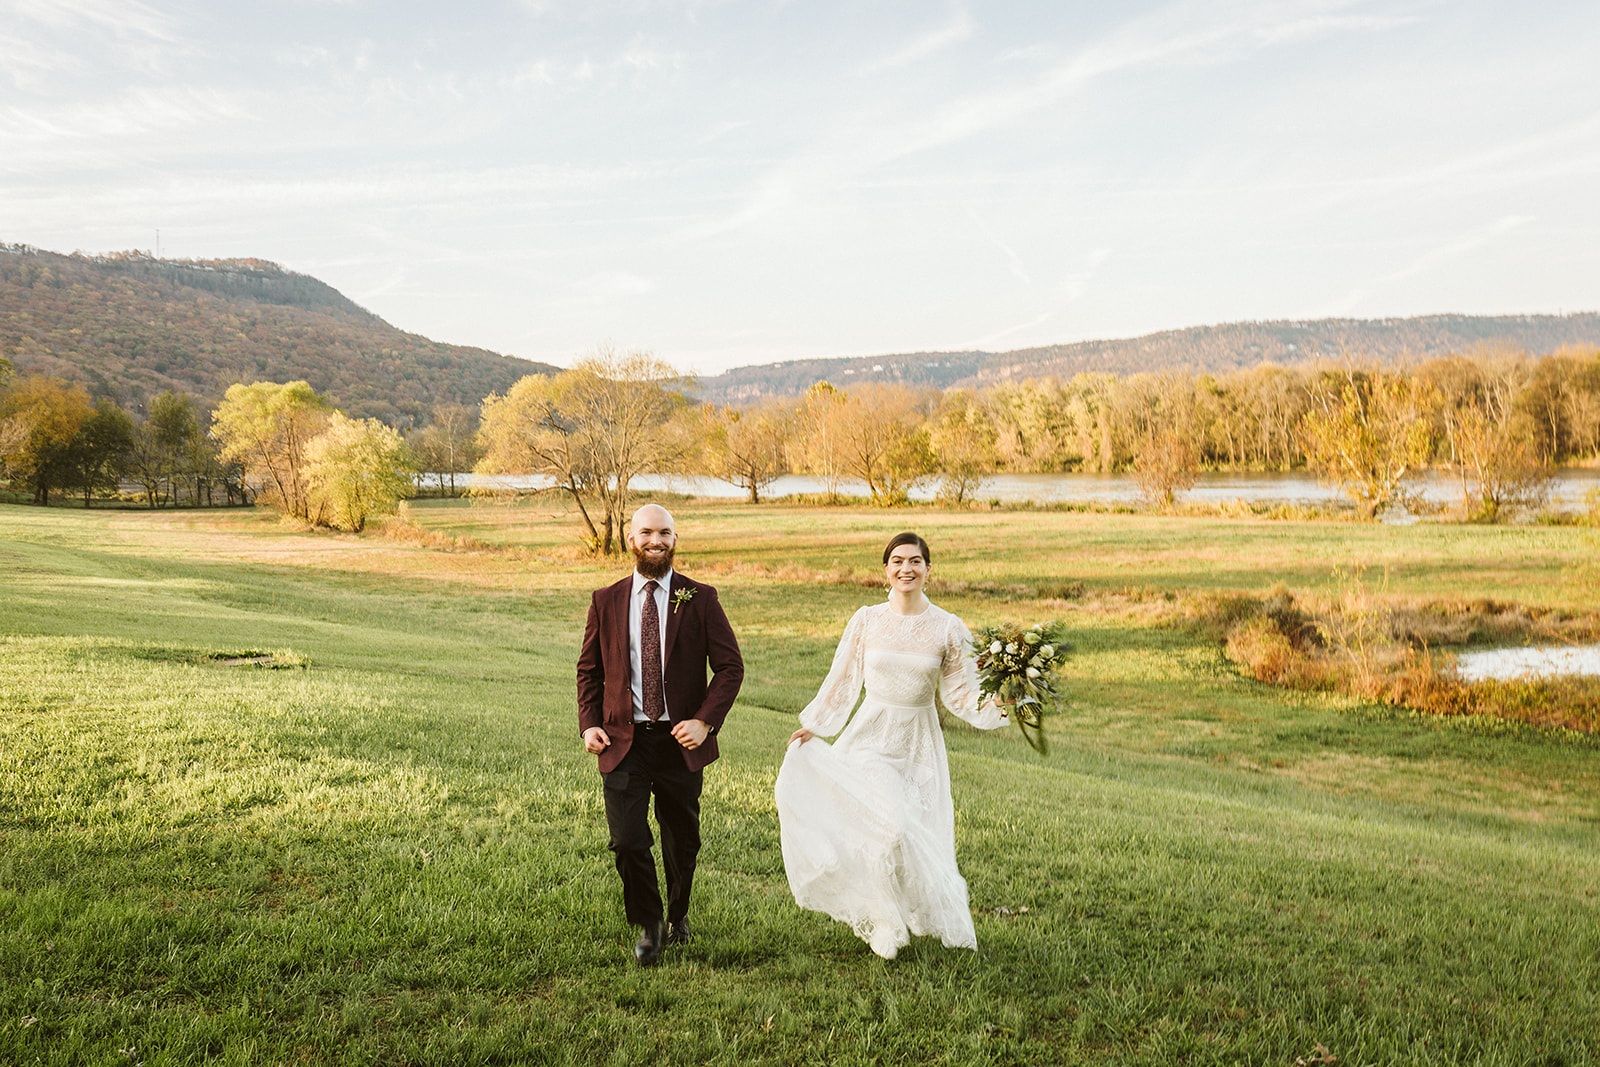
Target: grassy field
[[387, 847]]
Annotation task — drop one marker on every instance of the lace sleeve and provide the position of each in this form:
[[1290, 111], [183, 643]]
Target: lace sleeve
[[830, 709], [958, 681]]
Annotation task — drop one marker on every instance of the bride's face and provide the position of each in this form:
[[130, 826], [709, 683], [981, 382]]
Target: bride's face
[[907, 571]]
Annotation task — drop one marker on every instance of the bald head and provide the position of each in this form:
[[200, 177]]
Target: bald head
[[651, 516], [653, 540]]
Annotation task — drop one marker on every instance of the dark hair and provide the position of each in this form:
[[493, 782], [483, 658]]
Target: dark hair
[[907, 538]]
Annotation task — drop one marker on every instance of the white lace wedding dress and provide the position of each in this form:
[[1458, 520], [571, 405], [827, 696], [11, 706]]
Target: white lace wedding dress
[[867, 825]]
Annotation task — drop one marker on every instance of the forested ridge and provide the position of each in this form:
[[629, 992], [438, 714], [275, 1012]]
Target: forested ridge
[[130, 327], [1198, 349]]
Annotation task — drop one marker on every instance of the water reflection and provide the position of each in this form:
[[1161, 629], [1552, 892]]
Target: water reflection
[[1504, 664]]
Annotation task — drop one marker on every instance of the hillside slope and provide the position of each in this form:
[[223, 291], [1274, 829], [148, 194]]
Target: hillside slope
[[130, 327], [1211, 349]]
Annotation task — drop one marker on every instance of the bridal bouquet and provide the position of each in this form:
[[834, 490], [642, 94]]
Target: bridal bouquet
[[1018, 666]]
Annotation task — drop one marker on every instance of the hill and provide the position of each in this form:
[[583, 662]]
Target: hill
[[1212, 349], [129, 326]]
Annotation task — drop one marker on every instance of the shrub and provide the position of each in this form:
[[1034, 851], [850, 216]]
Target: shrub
[[1363, 646]]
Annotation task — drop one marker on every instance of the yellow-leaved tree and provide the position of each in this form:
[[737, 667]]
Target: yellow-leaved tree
[[1369, 433], [265, 427], [589, 430], [747, 448], [354, 469], [39, 420]]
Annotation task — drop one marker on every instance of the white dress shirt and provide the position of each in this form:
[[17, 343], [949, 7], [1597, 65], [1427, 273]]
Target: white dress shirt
[[635, 614]]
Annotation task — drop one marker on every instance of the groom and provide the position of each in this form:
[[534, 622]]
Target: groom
[[645, 708]]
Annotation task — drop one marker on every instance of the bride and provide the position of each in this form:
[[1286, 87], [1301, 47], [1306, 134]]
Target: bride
[[867, 825]]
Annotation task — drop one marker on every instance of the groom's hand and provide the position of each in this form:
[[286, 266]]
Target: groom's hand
[[595, 740], [691, 733]]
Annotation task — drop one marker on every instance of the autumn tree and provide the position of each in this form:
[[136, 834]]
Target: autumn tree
[[13, 427], [169, 448], [817, 446], [962, 437], [1562, 401], [534, 429], [1369, 433], [1160, 412], [746, 448], [1164, 466], [354, 469], [448, 445], [1275, 400], [884, 436], [41, 418], [1038, 427], [177, 418], [14, 431], [265, 427], [1491, 441], [590, 430], [1093, 406], [97, 455]]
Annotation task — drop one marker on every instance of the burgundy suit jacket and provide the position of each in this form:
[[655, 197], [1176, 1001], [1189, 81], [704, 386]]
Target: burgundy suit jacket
[[698, 636]]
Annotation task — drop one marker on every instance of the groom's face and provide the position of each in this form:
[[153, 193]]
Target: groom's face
[[653, 540]]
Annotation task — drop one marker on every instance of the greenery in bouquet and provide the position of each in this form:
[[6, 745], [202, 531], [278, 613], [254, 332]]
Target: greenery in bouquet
[[1018, 666]]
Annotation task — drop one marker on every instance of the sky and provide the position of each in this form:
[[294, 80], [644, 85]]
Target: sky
[[730, 182]]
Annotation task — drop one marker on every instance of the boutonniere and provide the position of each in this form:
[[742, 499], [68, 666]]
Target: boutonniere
[[681, 597]]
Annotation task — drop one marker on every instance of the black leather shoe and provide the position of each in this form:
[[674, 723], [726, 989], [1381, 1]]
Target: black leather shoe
[[652, 939], [678, 932]]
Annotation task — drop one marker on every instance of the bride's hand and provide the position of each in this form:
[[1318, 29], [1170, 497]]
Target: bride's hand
[[801, 735]]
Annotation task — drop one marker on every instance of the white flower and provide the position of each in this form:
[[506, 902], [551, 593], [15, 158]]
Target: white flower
[[1033, 672], [995, 647], [1047, 651], [1031, 637], [1012, 648]]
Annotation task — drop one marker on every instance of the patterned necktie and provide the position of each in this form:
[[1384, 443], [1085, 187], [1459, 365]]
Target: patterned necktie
[[650, 654]]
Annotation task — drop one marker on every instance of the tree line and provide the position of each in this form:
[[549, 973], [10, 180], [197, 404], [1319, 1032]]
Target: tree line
[[283, 445], [1498, 422]]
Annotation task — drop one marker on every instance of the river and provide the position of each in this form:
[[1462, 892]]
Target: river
[[1297, 487]]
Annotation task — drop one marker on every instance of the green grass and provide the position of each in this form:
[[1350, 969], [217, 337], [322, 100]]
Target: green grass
[[392, 850]]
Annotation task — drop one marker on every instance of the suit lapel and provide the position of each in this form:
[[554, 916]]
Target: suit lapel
[[674, 616], [619, 607]]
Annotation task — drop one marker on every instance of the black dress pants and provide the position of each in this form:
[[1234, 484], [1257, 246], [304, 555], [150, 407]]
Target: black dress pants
[[654, 767]]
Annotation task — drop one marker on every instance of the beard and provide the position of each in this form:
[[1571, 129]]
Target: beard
[[653, 567]]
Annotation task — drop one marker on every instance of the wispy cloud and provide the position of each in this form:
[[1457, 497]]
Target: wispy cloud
[[958, 29], [1433, 258], [130, 35], [1013, 261], [341, 63], [605, 286], [876, 136], [1319, 25], [135, 113], [1075, 284], [721, 129], [640, 56], [29, 64], [570, 191], [989, 340], [126, 18]]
